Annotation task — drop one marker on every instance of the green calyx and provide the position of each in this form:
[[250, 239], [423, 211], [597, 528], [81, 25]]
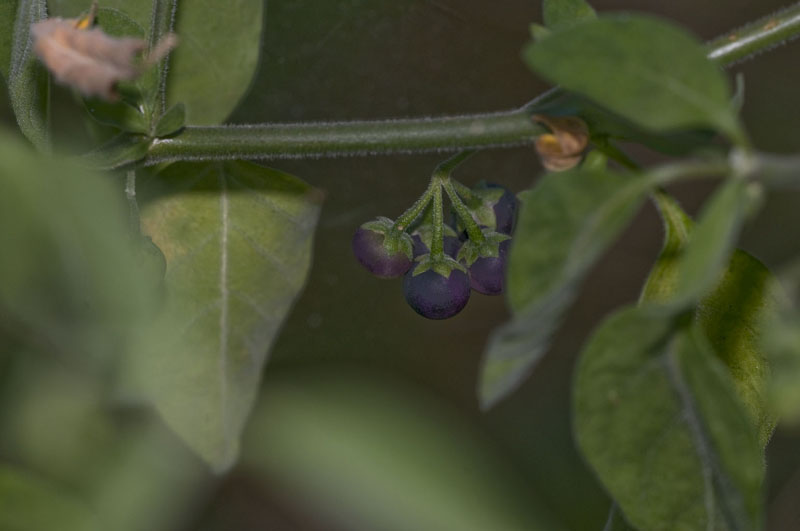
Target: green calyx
[[488, 248], [444, 265], [394, 241]]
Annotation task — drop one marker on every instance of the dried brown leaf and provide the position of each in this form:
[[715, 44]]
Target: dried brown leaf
[[88, 59]]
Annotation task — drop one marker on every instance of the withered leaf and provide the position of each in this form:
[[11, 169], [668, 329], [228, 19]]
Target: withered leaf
[[88, 59]]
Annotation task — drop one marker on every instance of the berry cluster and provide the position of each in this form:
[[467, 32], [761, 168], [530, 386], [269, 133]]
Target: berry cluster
[[441, 263]]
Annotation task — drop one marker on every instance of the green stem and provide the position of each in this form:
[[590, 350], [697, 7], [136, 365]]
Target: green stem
[[162, 22], [133, 205], [472, 228], [437, 242], [308, 140], [757, 36], [448, 133], [408, 217]]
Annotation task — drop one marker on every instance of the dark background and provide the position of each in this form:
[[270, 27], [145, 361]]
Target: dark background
[[360, 59]]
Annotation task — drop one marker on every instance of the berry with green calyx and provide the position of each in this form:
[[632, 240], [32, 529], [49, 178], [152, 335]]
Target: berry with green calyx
[[437, 289], [382, 250]]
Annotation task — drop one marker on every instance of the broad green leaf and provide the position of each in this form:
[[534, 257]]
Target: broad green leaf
[[561, 13], [237, 239], [781, 341], [28, 80], [71, 249], [657, 417], [8, 12], [212, 67], [565, 224], [30, 503], [642, 68], [369, 452], [732, 314]]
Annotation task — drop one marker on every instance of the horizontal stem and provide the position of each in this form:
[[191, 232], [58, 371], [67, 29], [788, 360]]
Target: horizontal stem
[[309, 140], [418, 135], [756, 37]]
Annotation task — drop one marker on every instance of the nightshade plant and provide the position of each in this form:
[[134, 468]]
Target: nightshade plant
[[674, 398]]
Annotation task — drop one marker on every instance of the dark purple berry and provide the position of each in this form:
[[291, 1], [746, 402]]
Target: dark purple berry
[[505, 210], [487, 274], [434, 296], [370, 252]]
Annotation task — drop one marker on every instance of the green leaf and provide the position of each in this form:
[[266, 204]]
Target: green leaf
[[732, 314], [71, 245], [213, 67], [712, 242], [172, 121], [237, 238], [781, 342], [561, 13], [122, 150], [616, 521], [657, 417], [29, 503], [642, 68], [369, 452], [566, 222], [28, 80], [8, 13]]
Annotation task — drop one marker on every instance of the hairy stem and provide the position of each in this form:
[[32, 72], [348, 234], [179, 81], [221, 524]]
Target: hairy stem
[[756, 37], [310, 140], [448, 133], [472, 228], [437, 242]]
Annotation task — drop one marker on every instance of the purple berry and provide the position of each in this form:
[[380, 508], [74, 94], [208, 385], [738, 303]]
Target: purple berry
[[370, 252], [434, 296], [505, 210], [487, 274]]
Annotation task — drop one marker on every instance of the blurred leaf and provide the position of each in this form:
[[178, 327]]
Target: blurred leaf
[[657, 417], [237, 239], [732, 315], [136, 10], [120, 114], [70, 285], [366, 452], [123, 149], [781, 341], [8, 13], [645, 69], [28, 503], [212, 68], [28, 81], [566, 222], [172, 121], [616, 520], [561, 13], [712, 242]]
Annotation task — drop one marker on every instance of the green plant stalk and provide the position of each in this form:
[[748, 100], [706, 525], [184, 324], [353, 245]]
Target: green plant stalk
[[473, 231], [757, 36], [448, 133], [437, 243], [162, 22], [408, 217], [310, 140]]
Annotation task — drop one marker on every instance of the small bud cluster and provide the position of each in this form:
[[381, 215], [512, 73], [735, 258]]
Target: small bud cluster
[[438, 287]]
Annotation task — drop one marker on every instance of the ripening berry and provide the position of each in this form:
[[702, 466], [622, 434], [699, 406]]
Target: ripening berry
[[370, 252]]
